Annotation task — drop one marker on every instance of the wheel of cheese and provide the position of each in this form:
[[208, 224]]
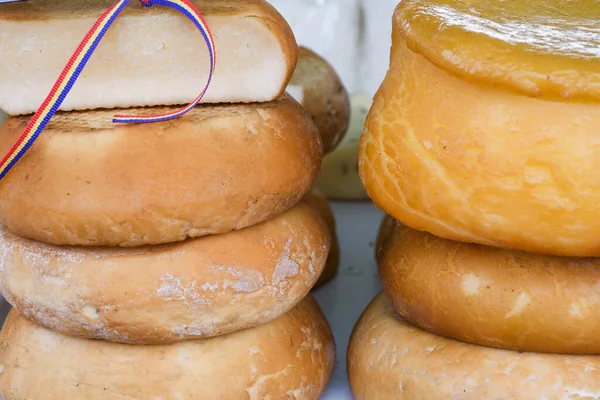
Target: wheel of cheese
[[256, 54], [291, 357], [485, 129], [493, 297], [338, 178], [161, 294], [320, 203], [390, 359], [87, 181], [317, 86], [386, 228]]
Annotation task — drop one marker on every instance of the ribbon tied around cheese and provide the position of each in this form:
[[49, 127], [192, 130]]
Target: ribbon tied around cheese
[[77, 63]]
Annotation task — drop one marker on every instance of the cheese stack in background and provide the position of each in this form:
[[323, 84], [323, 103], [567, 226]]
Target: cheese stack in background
[[482, 144], [350, 36], [165, 260]]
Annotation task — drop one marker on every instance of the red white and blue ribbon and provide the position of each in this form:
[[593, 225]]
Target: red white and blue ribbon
[[76, 64]]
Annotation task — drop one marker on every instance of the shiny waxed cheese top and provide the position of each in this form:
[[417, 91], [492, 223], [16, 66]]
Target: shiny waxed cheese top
[[540, 48]]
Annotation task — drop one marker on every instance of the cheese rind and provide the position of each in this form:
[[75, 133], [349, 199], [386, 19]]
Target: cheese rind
[[471, 163], [87, 181], [318, 88], [320, 203], [389, 359], [148, 57], [290, 357], [338, 177], [195, 289], [540, 48], [493, 297]]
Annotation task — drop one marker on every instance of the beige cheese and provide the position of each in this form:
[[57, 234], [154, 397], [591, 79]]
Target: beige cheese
[[148, 57], [198, 288], [338, 177], [87, 181], [389, 359], [291, 357], [317, 86]]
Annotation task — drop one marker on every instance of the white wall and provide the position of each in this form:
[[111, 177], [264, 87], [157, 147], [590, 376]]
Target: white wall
[[377, 40], [331, 28], [353, 35]]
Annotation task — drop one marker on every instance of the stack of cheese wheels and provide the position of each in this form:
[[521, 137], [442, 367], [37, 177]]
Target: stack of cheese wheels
[[170, 260], [482, 145]]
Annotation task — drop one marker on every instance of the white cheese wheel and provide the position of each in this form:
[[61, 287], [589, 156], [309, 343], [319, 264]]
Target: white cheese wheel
[[150, 56]]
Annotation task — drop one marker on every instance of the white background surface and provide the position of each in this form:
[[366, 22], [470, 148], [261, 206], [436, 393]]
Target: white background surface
[[345, 297]]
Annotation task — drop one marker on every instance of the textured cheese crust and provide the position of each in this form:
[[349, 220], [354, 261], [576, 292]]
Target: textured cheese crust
[[291, 357], [319, 89], [473, 163], [389, 359], [338, 178], [161, 294], [386, 228], [148, 57], [493, 297], [316, 199], [89, 182]]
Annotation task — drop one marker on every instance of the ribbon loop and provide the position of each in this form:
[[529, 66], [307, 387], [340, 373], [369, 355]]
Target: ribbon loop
[[190, 11], [77, 63]]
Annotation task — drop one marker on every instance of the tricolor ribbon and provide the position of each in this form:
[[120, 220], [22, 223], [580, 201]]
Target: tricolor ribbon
[[76, 64]]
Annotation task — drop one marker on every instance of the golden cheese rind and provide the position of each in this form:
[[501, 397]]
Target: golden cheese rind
[[539, 48], [472, 163], [493, 297], [87, 181], [389, 359]]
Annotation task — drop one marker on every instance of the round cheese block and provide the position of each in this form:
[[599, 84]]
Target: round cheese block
[[386, 228], [390, 359], [493, 297], [291, 357], [87, 181], [317, 86], [338, 178], [485, 129], [150, 55], [161, 294], [320, 203]]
